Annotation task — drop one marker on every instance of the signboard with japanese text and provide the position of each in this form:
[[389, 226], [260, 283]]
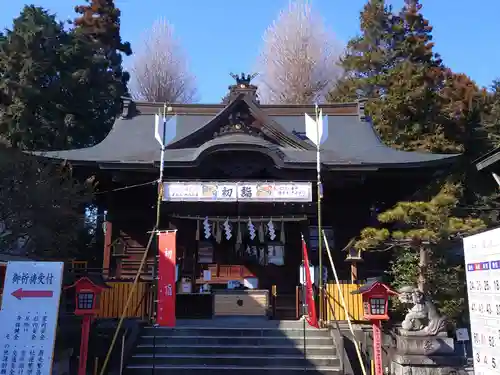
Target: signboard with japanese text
[[237, 191], [482, 262], [30, 306], [166, 278]]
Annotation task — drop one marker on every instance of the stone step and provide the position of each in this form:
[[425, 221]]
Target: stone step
[[229, 370], [240, 322], [232, 340], [236, 332], [195, 359], [314, 350]]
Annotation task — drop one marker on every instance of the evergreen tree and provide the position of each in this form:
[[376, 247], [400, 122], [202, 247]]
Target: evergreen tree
[[368, 55], [416, 103], [425, 236], [61, 89], [491, 113], [407, 86], [33, 70], [40, 207], [97, 38]]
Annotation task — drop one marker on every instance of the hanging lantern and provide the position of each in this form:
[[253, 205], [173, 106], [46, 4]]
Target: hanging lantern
[[354, 255]]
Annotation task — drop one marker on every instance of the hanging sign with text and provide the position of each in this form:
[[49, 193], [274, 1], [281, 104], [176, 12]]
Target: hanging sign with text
[[166, 279], [237, 191], [30, 306], [482, 270]]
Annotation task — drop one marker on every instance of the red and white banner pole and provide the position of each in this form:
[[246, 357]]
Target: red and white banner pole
[[166, 278]]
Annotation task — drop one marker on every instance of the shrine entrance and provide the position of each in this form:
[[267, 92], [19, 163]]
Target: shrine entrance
[[242, 261]]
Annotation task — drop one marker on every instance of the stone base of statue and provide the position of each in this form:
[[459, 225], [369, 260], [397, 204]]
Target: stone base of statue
[[425, 355]]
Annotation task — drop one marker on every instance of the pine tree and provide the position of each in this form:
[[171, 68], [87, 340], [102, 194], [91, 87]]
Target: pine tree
[[424, 236]]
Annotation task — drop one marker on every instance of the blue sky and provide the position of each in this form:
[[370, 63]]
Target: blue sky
[[223, 36]]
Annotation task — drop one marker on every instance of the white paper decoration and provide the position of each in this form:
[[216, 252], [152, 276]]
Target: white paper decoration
[[227, 229], [271, 230], [206, 228], [251, 229]]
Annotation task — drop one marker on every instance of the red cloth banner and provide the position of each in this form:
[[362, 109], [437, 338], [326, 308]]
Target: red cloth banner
[[166, 279], [312, 319]]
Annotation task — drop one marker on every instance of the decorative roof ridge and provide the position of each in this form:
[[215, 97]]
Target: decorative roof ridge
[[133, 107]]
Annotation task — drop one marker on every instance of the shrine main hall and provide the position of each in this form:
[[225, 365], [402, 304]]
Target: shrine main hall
[[239, 184]]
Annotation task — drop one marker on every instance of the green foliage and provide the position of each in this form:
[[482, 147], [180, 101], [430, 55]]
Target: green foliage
[[425, 236], [97, 34], [60, 88], [414, 101], [40, 206], [491, 113]]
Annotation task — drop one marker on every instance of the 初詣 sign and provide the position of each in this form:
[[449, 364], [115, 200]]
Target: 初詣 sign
[[237, 191]]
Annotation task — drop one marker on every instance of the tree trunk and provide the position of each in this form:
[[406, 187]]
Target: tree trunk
[[423, 265]]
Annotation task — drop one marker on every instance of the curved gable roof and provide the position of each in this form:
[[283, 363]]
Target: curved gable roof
[[268, 126], [352, 142]]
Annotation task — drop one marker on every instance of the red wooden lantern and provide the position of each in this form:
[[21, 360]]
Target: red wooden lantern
[[375, 296], [87, 291]]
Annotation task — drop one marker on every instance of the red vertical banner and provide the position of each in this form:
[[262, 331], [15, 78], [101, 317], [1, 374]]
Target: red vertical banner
[[312, 319], [377, 347], [166, 279]]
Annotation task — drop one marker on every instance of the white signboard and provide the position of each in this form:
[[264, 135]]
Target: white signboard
[[30, 306], [482, 261], [237, 191]]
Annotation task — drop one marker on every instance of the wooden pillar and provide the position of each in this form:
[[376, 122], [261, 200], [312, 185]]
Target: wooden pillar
[[354, 272], [108, 235]]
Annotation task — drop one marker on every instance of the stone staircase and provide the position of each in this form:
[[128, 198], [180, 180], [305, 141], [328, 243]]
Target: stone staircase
[[234, 346]]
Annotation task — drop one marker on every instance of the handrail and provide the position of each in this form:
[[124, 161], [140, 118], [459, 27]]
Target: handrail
[[122, 353], [129, 299], [355, 341], [338, 345]]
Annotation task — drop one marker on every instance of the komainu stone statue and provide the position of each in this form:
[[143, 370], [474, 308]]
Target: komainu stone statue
[[423, 318]]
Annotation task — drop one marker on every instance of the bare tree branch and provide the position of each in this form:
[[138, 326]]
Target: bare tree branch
[[159, 70], [299, 61]]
